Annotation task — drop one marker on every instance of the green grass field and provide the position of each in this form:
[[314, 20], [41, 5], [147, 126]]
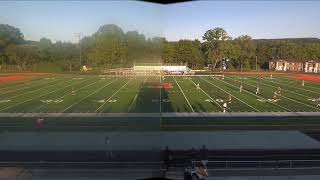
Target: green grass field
[[122, 94], [93, 94]]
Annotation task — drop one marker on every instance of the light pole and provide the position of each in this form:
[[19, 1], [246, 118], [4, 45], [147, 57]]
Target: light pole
[[79, 35], [256, 63]]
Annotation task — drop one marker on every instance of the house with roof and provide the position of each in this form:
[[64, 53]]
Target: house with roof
[[311, 66]]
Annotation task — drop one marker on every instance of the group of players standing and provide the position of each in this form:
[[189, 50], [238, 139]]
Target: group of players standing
[[276, 93]]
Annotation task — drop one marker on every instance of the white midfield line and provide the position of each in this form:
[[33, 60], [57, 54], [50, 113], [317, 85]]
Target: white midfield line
[[208, 96], [256, 96], [112, 95], [276, 87], [34, 97], [231, 95], [292, 99], [87, 96], [40, 84], [183, 94], [69, 92], [135, 97]]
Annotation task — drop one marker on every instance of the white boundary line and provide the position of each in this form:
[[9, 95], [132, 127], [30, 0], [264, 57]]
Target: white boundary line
[[183, 94], [70, 92], [112, 95], [289, 98], [88, 95], [231, 95], [135, 97], [208, 96], [35, 97], [256, 96]]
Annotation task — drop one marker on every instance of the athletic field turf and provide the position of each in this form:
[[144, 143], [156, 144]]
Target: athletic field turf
[[139, 95]]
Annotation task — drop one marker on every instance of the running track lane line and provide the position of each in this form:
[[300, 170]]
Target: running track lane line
[[256, 96], [231, 95], [34, 97], [208, 96], [183, 94], [289, 99], [112, 95], [88, 96], [69, 92]]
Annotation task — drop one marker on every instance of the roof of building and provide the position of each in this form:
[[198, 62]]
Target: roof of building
[[295, 60]]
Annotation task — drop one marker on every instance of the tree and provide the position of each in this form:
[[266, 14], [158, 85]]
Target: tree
[[111, 47], [136, 44], [187, 51], [22, 55], [246, 51], [216, 41], [168, 52], [8, 35]]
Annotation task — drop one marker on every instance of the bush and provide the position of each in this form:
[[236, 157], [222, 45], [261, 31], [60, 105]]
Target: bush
[[47, 67]]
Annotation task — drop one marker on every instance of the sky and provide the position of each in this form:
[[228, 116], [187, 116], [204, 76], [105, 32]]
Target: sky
[[60, 20]]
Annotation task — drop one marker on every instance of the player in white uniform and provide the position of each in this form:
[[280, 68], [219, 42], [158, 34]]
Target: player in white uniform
[[279, 91], [302, 83], [318, 102], [229, 98], [72, 91], [275, 95], [257, 89], [198, 86], [224, 107], [241, 87]]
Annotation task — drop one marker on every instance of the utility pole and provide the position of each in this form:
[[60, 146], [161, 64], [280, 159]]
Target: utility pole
[[79, 35], [256, 63]]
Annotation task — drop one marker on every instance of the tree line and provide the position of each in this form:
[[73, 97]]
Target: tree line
[[111, 47]]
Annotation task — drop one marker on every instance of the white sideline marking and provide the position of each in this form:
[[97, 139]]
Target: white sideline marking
[[88, 96], [207, 95], [231, 95], [183, 94], [135, 97], [289, 99], [112, 96], [34, 97], [70, 92], [258, 96]]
